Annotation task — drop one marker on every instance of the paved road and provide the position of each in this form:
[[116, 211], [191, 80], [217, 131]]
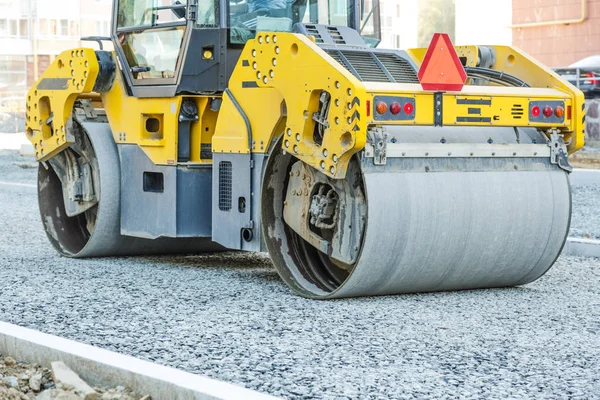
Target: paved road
[[230, 317]]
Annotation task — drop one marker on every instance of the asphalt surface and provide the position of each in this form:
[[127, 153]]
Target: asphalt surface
[[230, 317]]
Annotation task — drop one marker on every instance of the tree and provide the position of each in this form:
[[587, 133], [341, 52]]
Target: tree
[[436, 16]]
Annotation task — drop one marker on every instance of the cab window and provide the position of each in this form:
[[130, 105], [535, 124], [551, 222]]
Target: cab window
[[151, 35], [154, 53], [246, 17]]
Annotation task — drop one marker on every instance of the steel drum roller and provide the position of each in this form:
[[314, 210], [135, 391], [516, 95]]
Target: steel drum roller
[[75, 236], [435, 225]]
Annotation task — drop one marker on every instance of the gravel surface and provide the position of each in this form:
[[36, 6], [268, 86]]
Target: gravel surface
[[15, 168], [585, 220], [230, 317]]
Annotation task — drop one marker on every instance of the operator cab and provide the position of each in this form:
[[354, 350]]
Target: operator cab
[[168, 47]]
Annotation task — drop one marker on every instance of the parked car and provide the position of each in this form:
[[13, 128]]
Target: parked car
[[585, 74]]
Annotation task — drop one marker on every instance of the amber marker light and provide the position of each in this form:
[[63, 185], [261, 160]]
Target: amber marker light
[[381, 107]]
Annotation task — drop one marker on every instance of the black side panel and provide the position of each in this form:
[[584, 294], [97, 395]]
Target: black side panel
[[207, 75], [163, 201], [194, 202]]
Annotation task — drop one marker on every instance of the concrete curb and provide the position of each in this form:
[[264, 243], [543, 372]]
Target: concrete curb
[[582, 247], [105, 368], [581, 176]]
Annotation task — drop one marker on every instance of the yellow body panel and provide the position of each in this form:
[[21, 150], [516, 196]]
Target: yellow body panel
[[502, 111], [202, 131], [128, 117], [50, 101], [523, 66], [282, 76], [515, 62], [275, 90]]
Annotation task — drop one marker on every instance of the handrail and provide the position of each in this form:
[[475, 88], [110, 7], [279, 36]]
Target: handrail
[[584, 15]]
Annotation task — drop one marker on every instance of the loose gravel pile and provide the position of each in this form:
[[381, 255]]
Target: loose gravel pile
[[230, 317], [19, 380], [22, 381]]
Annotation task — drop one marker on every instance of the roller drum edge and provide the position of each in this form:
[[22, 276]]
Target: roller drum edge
[[68, 234]]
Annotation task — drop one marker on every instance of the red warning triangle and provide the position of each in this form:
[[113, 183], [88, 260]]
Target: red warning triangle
[[441, 69]]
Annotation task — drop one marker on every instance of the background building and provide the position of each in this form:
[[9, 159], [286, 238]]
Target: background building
[[411, 23], [32, 33], [557, 32], [399, 23]]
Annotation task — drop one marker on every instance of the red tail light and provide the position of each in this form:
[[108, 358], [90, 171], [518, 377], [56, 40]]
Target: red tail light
[[535, 111], [568, 112], [591, 81], [548, 111], [394, 108]]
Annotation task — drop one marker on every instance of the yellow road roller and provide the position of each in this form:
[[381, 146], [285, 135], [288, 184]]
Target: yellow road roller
[[280, 126]]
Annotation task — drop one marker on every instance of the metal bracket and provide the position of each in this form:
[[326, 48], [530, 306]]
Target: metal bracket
[[321, 116], [377, 137], [87, 107], [558, 151]]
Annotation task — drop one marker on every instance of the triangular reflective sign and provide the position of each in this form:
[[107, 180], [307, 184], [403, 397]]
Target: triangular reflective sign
[[441, 69]]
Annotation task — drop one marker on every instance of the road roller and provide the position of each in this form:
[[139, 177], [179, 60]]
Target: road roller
[[282, 126]]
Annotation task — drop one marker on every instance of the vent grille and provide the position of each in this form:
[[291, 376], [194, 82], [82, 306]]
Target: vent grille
[[336, 56], [372, 67], [335, 35], [399, 68], [225, 185], [517, 111], [366, 67], [313, 31]]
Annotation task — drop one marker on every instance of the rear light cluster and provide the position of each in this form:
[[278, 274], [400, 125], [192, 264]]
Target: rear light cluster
[[547, 111], [394, 108], [590, 81]]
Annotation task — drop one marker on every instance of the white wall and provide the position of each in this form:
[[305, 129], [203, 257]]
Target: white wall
[[480, 22]]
